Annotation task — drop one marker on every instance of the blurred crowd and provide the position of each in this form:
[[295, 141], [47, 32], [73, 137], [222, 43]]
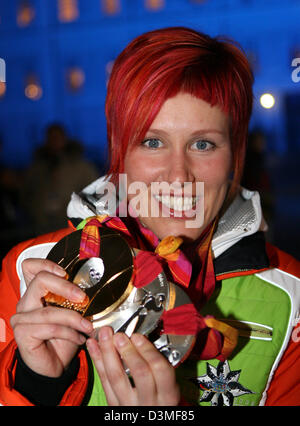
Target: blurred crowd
[[33, 201]]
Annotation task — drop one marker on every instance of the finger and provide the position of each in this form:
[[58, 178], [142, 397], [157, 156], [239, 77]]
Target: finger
[[45, 282], [140, 370], [162, 371], [114, 368], [95, 354], [53, 315], [31, 267], [29, 336], [37, 344]]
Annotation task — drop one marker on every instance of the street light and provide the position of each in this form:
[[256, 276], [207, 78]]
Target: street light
[[267, 100]]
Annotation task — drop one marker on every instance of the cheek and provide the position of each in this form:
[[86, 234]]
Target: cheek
[[140, 170], [132, 168], [214, 172]]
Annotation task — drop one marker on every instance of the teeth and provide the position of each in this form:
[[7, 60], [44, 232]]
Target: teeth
[[177, 203]]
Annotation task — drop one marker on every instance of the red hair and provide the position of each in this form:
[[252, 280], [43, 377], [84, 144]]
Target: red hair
[[156, 66]]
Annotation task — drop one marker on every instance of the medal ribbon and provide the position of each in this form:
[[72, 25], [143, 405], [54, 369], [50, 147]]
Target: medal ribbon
[[219, 339]]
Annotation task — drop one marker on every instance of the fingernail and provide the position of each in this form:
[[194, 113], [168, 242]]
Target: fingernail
[[121, 339], [87, 324], [138, 339], [82, 339], [58, 270], [105, 333], [93, 348], [89, 345], [79, 295]]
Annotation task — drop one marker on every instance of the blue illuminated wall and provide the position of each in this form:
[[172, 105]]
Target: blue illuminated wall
[[268, 30]]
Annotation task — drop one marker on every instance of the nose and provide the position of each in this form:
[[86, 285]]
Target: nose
[[179, 168]]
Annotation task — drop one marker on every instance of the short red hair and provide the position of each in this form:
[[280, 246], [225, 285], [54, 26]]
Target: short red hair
[[156, 66]]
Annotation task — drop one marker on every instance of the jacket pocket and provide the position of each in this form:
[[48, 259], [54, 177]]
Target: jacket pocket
[[250, 330]]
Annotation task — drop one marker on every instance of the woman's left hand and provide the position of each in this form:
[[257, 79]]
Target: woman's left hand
[[153, 375]]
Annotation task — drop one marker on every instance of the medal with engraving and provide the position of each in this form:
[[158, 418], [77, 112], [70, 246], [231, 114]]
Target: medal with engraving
[[113, 300], [106, 279]]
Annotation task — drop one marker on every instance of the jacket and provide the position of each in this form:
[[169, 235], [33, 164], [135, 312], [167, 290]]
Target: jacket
[[251, 275]]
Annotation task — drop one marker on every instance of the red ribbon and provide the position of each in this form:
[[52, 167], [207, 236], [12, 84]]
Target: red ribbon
[[184, 319], [146, 267]]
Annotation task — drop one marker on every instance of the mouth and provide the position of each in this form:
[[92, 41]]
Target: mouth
[[177, 204]]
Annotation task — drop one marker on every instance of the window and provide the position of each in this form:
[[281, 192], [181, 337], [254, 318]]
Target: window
[[25, 14], [2, 89], [68, 10], [33, 89], [111, 7], [75, 79], [154, 4]]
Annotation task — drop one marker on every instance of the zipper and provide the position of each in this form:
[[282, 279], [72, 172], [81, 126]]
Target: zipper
[[250, 330]]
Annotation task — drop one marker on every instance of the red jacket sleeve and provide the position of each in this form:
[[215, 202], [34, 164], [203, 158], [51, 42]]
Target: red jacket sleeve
[[9, 296], [285, 386]]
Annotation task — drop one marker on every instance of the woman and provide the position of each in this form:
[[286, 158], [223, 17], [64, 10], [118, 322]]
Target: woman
[[178, 108]]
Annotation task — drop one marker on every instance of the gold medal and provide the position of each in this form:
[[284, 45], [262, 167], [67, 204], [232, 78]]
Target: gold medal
[[113, 300], [106, 280]]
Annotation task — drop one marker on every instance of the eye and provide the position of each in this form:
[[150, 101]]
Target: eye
[[203, 145], [152, 143]]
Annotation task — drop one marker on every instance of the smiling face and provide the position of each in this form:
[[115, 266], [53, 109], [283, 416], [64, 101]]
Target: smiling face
[[187, 142]]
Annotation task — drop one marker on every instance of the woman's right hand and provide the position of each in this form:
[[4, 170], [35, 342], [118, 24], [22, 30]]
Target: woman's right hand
[[48, 337]]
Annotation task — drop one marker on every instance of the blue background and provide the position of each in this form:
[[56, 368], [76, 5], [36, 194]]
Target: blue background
[[268, 31]]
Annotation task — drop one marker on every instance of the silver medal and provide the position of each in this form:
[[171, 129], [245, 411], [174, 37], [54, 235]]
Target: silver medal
[[140, 312], [114, 301]]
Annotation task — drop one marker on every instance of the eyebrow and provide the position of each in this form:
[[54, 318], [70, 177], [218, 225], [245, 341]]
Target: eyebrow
[[197, 132]]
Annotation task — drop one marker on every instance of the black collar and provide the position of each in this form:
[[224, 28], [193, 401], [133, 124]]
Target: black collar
[[246, 255]]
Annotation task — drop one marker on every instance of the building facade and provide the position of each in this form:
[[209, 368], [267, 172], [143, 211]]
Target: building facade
[[58, 55]]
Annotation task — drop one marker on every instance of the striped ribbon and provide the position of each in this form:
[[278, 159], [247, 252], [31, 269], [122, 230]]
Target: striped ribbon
[[221, 339]]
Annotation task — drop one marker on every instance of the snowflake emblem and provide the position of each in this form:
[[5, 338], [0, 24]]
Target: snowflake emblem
[[220, 385]]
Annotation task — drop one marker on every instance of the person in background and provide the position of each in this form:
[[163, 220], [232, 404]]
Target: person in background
[[13, 217], [58, 169]]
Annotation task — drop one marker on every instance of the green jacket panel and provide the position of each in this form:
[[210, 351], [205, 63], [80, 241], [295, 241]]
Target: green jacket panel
[[261, 313]]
